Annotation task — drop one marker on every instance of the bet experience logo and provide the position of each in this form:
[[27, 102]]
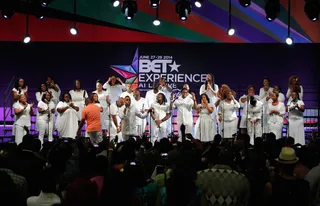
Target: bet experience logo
[[146, 69]]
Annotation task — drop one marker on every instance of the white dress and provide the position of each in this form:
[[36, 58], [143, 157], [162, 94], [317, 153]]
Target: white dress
[[184, 114], [254, 120], [296, 123], [151, 98], [78, 98], [263, 97], [205, 130], [288, 95], [55, 94], [229, 123], [67, 122], [141, 104], [44, 123], [243, 121], [114, 91], [275, 121], [160, 111], [21, 120], [104, 115]]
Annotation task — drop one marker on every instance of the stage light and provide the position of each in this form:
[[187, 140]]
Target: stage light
[[154, 3], [245, 3], [7, 14], [115, 3], [231, 31], [39, 16], [198, 3], [74, 30], [129, 8], [312, 9], [45, 3], [156, 22], [272, 9], [183, 9], [26, 39], [289, 40]]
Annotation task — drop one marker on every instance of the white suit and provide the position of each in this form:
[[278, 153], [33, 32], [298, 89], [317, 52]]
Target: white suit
[[184, 115], [160, 111], [254, 120]]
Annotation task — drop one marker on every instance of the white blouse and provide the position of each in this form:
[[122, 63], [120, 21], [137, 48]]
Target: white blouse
[[23, 119], [114, 91], [295, 113], [276, 118], [229, 110]]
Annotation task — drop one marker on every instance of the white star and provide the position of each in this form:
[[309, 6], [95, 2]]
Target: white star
[[174, 66]]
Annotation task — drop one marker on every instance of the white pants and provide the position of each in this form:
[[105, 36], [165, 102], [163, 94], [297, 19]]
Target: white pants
[[45, 128], [95, 137], [19, 132], [254, 130], [158, 133], [276, 129]]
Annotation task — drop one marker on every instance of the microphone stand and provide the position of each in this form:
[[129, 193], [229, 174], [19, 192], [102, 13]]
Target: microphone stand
[[48, 119], [142, 121], [247, 114]]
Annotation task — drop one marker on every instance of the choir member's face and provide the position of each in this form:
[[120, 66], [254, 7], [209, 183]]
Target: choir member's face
[[162, 81], [49, 80], [265, 83], [209, 77], [48, 96], [95, 97], [294, 95], [43, 87], [136, 93], [113, 80], [186, 86], [275, 90], [99, 86], [127, 101], [128, 87], [159, 98], [121, 101], [229, 95], [21, 82], [203, 98], [184, 93], [294, 81], [78, 84], [66, 98], [251, 91], [274, 97], [23, 98]]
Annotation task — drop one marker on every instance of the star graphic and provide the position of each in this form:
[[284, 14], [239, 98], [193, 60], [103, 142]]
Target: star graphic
[[174, 66], [129, 72]]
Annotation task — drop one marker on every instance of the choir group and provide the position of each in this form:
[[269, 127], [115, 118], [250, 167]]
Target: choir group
[[124, 113]]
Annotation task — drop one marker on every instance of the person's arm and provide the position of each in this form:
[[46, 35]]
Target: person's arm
[[38, 96], [74, 106], [105, 85], [236, 103], [15, 96], [300, 107], [301, 92], [282, 111], [202, 89], [209, 108], [122, 112], [140, 114], [18, 111], [61, 109], [31, 109], [288, 93]]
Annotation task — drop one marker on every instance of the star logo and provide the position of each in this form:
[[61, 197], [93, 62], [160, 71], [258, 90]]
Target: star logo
[[174, 66], [129, 72]]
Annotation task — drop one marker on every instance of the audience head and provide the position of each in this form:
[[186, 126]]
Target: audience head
[[287, 160]]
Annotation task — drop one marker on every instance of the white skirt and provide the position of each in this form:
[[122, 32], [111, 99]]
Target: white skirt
[[296, 130], [205, 128], [276, 129], [67, 123], [229, 128]]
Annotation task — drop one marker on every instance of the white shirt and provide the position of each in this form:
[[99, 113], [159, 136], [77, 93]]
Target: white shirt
[[24, 118], [124, 94], [114, 110], [78, 97], [44, 106], [255, 112], [39, 96], [229, 110], [289, 94], [128, 117], [276, 118], [55, 95], [114, 91], [212, 98], [160, 111], [151, 97], [264, 94], [184, 106], [44, 199], [295, 113], [102, 97], [141, 104], [22, 91], [166, 93]]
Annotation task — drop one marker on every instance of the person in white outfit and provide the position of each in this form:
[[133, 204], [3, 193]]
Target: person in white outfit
[[166, 89], [42, 90], [186, 86], [128, 92], [254, 112], [294, 85], [115, 127], [264, 96], [54, 89], [128, 114], [184, 104], [45, 117], [141, 104], [277, 90], [23, 112], [78, 96], [296, 122], [205, 129], [114, 87], [243, 104], [104, 104], [276, 111], [228, 114], [67, 120], [160, 114], [19, 88]]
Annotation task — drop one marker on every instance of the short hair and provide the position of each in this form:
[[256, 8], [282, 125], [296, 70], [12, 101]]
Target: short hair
[[250, 86], [184, 89], [99, 81], [266, 78], [204, 94]]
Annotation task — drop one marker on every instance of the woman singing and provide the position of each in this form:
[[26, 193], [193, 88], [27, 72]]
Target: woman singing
[[276, 111], [228, 114], [264, 96], [42, 90], [294, 85], [210, 88], [114, 87], [78, 96], [19, 88], [45, 116], [67, 121], [23, 112], [205, 129], [296, 124]]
